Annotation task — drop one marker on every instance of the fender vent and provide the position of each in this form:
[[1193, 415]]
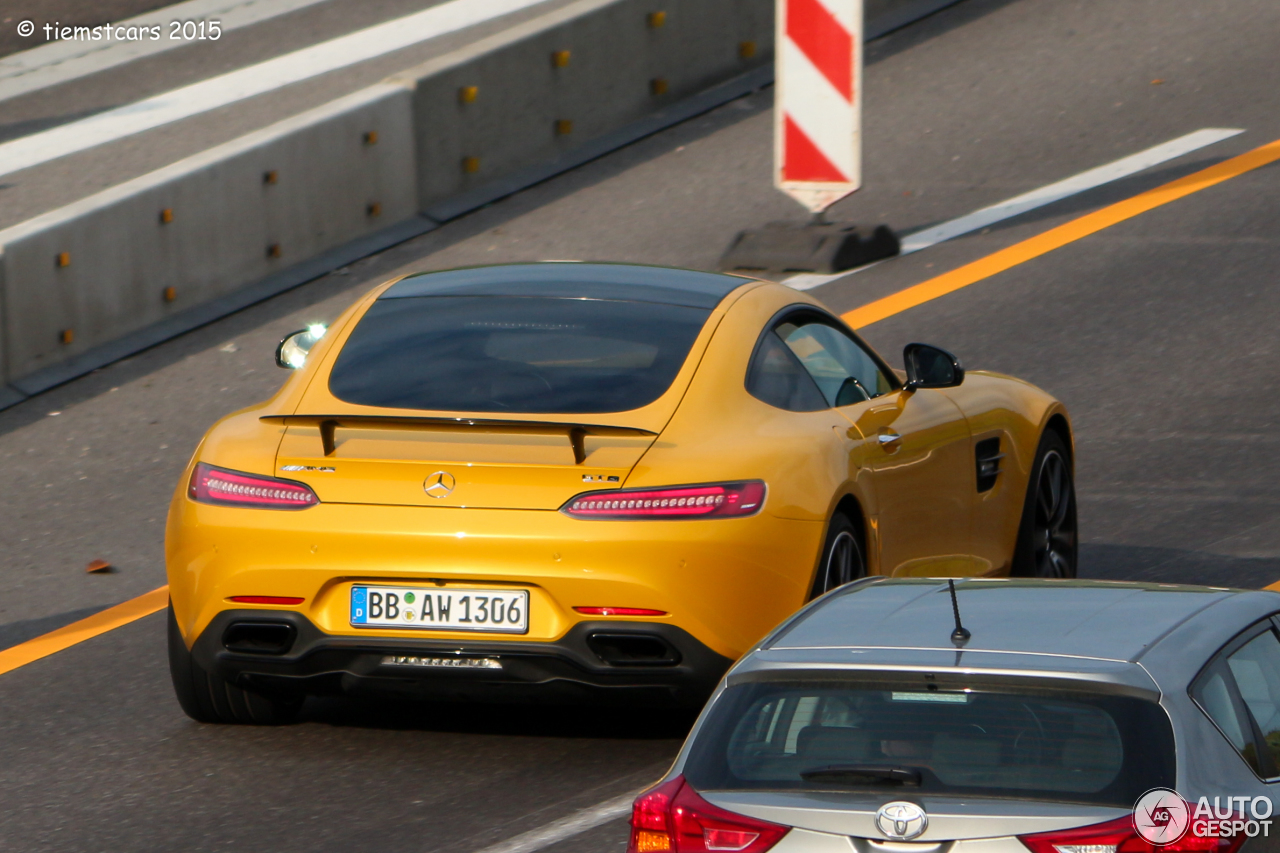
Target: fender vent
[[988, 456]]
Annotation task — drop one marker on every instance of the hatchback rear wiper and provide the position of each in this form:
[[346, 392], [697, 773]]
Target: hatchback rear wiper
[[859, 774]]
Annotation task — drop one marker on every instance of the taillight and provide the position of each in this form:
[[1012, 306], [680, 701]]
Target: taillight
[[672, 818], [715, 500], [1119, 836], [212, 485]]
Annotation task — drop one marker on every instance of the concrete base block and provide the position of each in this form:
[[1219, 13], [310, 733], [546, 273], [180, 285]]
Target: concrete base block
[[786, 247]]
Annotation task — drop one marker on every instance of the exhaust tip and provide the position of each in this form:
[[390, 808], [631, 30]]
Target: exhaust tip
[[259, 638], [633, 649]]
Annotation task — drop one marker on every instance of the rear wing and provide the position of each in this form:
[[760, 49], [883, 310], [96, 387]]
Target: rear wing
[[576, 433]]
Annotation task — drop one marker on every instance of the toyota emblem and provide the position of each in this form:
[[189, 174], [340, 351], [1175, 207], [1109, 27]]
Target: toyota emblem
[[439, 485], [901, 821]]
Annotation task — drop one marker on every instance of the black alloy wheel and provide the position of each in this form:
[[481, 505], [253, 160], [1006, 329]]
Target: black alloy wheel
[[842, 559], [1047, 537]]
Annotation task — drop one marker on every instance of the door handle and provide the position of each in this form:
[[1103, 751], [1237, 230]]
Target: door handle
[[887, 438]]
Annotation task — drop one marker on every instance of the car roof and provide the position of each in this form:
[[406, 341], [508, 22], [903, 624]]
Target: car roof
[[569, 279], [1100, 620]]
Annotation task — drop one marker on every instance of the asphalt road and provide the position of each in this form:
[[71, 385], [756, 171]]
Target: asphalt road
[[1156, 332]]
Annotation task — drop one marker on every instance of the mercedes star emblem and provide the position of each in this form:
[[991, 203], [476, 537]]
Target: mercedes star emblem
[[438, 485], [901, 821]]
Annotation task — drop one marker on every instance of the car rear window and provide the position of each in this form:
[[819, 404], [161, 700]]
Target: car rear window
[[1036, 745], [514, 354]]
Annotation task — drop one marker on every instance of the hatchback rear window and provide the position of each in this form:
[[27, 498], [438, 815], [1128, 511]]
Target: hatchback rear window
[[1065, 747], [514, 354]]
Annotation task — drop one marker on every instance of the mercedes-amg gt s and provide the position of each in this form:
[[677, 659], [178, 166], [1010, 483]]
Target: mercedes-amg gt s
[[564, 480]]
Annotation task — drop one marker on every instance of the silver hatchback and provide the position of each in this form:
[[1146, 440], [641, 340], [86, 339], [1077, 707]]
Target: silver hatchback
[[914, 715]]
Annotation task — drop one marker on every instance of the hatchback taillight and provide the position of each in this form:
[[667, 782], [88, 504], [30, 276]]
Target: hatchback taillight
[[1119, 836], [212, 485], [672, 818], [714, 500]]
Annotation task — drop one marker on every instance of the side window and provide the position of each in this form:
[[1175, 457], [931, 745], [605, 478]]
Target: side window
[[1241, 693], [1256, 668], [777, 377], [842, 369]]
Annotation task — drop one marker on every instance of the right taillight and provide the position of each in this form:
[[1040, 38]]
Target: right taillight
[[235, 488], [711, 500], [1119, 836], [672, 818]]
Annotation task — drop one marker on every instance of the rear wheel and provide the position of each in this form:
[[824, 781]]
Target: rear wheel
[[207, 698], [842, 556], [1047, 536]]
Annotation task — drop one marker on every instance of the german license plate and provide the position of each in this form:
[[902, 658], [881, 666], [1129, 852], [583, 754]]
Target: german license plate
[[440, 609]]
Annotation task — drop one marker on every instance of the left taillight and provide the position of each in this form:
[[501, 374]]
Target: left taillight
[[212, 485], [672, 818], [710, 500]]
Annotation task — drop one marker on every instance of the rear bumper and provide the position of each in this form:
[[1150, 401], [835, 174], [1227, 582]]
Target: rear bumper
[[648, 663], [726, 582]]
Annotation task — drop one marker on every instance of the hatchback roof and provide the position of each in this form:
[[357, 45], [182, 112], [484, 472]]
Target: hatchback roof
[[567, 279], [1089, 619]]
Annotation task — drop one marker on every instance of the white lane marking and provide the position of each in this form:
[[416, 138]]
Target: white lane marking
[[1018, 205], [54, 62], [567, 827], [250, 81]]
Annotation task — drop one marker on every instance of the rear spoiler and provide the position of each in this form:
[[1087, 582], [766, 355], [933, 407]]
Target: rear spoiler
[[576, 433]]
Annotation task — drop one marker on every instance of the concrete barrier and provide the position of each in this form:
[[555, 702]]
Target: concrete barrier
[[539, 92], [146, 250], [151, 258]]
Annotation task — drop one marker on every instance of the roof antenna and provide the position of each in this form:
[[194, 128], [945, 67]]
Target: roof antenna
[[961, 634]]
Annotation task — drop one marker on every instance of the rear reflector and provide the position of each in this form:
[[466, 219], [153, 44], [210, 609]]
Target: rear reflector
[[620, 611], [266, 599], [672, 818], [1119, 836], [212, 485], [716, 500]]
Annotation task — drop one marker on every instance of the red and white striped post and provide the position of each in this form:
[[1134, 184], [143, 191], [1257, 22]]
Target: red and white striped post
[[818, 101], [817, 145]]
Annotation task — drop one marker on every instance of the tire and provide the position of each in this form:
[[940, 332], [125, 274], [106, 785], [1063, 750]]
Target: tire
[[843, 557], [207, 698], [1048, 538]]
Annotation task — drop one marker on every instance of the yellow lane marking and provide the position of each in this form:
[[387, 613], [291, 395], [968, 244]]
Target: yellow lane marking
[[1275, 586], [87, 628], [1055, 238]]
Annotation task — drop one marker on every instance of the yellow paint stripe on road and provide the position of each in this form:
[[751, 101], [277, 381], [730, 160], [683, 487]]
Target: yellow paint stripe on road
[[1273, 586], [1055, 238], [87, 628]]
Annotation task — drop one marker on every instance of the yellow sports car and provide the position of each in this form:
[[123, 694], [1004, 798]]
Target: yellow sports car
[[571, 480]]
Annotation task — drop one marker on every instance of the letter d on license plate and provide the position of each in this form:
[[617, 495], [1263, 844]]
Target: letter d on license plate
[[440, 608]]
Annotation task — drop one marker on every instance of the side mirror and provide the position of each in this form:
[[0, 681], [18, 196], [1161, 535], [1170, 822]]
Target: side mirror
[[291, 354], [931, 367]]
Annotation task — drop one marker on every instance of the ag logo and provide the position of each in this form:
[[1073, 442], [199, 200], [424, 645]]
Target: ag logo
[[438, 485], [901, 821], [1161, 816]]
